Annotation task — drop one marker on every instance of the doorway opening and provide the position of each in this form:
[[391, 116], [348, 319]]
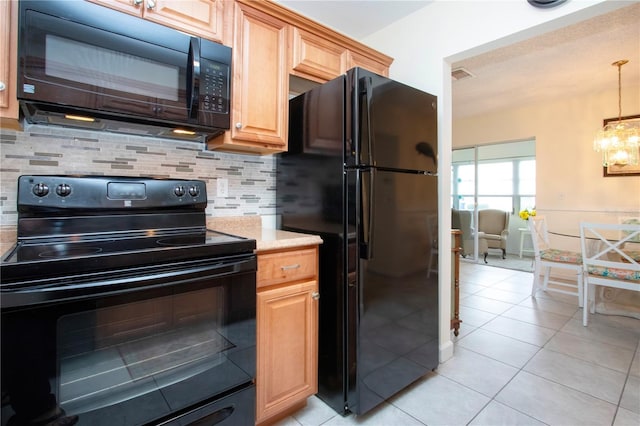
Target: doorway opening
[[499, 176]]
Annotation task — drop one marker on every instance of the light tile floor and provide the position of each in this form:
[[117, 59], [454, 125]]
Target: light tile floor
[[517, 361]]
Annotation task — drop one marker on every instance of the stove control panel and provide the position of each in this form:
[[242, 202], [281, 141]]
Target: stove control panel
[[109, 192]]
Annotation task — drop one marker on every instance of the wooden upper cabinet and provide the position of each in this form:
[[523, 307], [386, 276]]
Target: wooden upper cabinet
[[259, 112], [8, 63], [355, 59], [132, 7], [316, 58], [199, 17], [204, 18], [320, 54]]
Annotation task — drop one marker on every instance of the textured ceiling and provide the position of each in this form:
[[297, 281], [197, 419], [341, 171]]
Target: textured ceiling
[[570, 61]]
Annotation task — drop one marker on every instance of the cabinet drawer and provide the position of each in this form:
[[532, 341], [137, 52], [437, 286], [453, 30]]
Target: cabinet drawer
[[276, 268]]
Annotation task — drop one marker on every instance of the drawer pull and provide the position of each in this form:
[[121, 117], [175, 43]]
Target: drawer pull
[[315, 295], [288, 267]]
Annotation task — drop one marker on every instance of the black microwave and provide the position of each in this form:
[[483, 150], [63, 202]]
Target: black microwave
[[84, 65]]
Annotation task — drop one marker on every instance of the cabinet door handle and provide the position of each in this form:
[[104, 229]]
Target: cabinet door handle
[[2, 86], [137, 2], [238, 125], [287, 267], [315, 295], [151, 4]]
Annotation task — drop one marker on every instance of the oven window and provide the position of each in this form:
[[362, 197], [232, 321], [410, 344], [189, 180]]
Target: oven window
[[118, 353], [81, 62]]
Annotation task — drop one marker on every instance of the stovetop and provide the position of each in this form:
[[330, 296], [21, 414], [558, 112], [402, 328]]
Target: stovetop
[[70, 225], [45, 258], [86, 246]]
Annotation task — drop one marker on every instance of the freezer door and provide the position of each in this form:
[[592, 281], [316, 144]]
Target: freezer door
[[396, 299], [391, 125]]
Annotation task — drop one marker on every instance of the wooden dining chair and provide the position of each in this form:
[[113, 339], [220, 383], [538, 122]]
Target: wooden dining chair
[[610, 257], [548, 258]]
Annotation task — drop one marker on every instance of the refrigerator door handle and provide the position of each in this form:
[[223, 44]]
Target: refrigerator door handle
[[367, 89], [368, 201]]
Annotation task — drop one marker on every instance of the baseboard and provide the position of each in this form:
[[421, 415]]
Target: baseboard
[[446, 351]]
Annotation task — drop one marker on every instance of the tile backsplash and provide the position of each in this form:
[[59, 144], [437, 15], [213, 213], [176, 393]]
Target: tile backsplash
[[63, 151]]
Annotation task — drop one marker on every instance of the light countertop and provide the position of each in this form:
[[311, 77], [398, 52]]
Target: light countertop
[[266, 239]]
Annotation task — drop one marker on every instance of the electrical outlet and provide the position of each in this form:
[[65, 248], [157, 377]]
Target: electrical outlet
[[223, 187]]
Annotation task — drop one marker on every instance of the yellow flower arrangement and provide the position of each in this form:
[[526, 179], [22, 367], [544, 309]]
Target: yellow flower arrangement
[[524, 214]]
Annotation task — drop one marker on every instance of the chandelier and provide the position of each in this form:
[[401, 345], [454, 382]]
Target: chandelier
[[618, 141]]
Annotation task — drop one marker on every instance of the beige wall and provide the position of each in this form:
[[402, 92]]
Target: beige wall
[[569, 182]]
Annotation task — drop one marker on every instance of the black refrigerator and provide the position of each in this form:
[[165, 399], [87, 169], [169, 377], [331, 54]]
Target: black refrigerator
[[361, 172]]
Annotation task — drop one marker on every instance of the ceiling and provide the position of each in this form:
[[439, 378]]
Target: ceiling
[[570, 61]]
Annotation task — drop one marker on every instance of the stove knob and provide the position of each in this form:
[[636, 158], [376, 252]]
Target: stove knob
[[40, 189], [179, 190], [194, 191], [63, 190]]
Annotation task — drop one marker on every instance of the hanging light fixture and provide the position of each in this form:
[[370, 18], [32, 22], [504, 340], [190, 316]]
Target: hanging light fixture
[[618, 141]]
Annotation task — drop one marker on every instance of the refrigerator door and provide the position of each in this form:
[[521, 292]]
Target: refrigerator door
[[396, 295], [392, 125]]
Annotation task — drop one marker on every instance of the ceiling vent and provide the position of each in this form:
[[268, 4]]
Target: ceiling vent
[[460, 73]]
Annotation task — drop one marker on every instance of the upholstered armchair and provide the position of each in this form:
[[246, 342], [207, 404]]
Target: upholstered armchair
[[494, 224], [461, 219]]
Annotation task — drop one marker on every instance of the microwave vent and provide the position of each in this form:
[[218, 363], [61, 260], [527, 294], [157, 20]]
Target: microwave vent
[[460, 73], [61, 120], [36, 113]]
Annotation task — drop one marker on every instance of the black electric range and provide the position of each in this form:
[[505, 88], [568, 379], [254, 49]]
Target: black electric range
[[119, 307], [78, 225]]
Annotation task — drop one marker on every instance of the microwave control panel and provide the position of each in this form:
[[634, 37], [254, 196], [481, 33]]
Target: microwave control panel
[[214, 86]]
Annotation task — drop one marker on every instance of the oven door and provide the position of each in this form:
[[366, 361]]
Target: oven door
[[89, 57], [133, 347]]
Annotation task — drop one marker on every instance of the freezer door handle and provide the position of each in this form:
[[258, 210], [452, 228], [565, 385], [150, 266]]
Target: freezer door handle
[[367, 91], [368, 217]]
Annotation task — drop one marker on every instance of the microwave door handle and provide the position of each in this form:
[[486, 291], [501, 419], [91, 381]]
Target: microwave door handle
[[193, 78]]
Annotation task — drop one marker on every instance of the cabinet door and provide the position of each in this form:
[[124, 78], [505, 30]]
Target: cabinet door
[[199, 17], [260, 80], [357, 60], [287, 339], [316, 58], [8, 62], [203, 18], [132, 7]]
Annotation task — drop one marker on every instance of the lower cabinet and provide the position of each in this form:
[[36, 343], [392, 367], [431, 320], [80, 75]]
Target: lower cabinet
[[287, 337]]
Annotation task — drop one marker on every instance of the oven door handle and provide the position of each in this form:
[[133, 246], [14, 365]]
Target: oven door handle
[[128, 281]]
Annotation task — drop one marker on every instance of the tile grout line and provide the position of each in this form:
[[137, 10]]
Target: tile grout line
[[624, 387]]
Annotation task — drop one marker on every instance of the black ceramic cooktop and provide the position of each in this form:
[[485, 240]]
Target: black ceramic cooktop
[[50, 257]]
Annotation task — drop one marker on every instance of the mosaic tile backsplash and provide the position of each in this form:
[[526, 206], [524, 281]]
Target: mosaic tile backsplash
[[41, 150]]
